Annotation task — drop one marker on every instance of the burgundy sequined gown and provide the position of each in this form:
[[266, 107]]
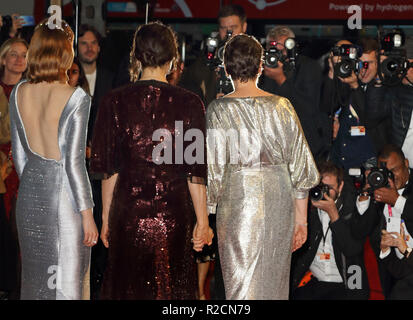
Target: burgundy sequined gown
[[151, 219]]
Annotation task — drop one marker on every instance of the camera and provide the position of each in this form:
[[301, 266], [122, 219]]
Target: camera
[[273, 55], [317, 193], [377, 178], [215, 49], [395, 66], [215, 60], [349, 61]]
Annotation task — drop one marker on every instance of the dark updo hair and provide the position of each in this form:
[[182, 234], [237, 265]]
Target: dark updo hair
[[242, 57], [154, 44]]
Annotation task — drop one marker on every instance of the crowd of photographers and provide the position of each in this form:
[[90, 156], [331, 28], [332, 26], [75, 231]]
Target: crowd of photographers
[[357, 121]]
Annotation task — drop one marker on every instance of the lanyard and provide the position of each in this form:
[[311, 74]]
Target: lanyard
[[324, 235], [390, 210]]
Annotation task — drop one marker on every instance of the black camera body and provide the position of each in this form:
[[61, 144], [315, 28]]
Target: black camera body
[[215, 49], [377, 178], [317, 193], [215, 61], [348, 63], [272, 56], [394, 67]]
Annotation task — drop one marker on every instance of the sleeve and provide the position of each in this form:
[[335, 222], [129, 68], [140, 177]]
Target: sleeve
[[303, 170], [75, 163], [362, 206], [216, 157], [348, 244], [19, 155], [363, 225], [105, 147], [194, 143], [399, 268]]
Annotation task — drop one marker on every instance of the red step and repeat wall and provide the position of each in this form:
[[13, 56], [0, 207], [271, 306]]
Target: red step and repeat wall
[[272, 9]]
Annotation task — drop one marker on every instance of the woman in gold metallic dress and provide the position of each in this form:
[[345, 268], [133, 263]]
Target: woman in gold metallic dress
[[260, 169]]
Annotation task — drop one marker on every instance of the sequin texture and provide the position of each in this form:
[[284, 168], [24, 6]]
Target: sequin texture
[[152, 217]]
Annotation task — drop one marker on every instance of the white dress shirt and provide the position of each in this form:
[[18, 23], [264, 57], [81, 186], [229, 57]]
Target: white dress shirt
[[91, 80], [325, 270], [397, 211]]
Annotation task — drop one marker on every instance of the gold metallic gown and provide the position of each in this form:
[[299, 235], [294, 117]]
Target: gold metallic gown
[[259, 162]]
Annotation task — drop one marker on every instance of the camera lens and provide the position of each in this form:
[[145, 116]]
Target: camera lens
[[316, 193], [376, 179]]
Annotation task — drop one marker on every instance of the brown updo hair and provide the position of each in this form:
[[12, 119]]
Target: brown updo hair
[[50, 53], [154, 44], [242, 57]]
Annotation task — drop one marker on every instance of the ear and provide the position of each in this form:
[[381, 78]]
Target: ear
[[406, 162], [340, 188], [244, 27]]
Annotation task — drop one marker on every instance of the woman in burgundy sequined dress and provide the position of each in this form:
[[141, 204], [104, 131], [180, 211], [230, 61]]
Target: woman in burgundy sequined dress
[[148, 216]]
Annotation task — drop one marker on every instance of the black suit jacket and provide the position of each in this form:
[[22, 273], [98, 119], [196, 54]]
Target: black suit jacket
[[104, 84], [372, 222], [303, 89], [348, 250]]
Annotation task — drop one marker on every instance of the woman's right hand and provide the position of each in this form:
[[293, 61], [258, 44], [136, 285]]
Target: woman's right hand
[[89, 228], [104, 234]]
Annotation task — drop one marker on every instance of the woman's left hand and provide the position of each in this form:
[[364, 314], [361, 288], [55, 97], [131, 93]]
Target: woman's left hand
[[300, 236]]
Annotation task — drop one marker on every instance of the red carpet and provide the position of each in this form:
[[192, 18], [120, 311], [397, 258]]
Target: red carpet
[[376, 292]]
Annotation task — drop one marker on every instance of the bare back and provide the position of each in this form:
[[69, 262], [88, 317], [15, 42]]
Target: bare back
[[40, 106]]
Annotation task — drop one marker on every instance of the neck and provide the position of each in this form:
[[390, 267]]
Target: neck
[[11, 78], [246, 88], [89, 67], [158, 74]]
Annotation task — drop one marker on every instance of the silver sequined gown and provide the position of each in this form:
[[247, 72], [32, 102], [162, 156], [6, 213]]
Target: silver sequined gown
[[55, 263], [258, 163]]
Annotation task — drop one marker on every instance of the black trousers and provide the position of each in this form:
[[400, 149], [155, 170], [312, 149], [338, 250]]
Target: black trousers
[[320, 290], [99, 252]]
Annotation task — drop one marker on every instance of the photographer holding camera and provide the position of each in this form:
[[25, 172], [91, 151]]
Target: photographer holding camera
[[344, 100], [400, 102], [383, 207], [205, 78], [297, 78], [10, 26], [332, 258]]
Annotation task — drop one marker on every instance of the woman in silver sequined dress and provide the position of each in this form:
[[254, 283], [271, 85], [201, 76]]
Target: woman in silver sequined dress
[[260, 169], [54, 205]]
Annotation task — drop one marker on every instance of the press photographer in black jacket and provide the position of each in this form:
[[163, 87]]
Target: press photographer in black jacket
[[394, 200], [301, 85], [332, 255]]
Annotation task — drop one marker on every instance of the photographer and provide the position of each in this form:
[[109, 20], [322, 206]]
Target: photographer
[[10, 26], [377, 112], [301, 84], [344, 100], [394, 200], [401, 105], [332, 255], [199, 77], [401, 269]]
